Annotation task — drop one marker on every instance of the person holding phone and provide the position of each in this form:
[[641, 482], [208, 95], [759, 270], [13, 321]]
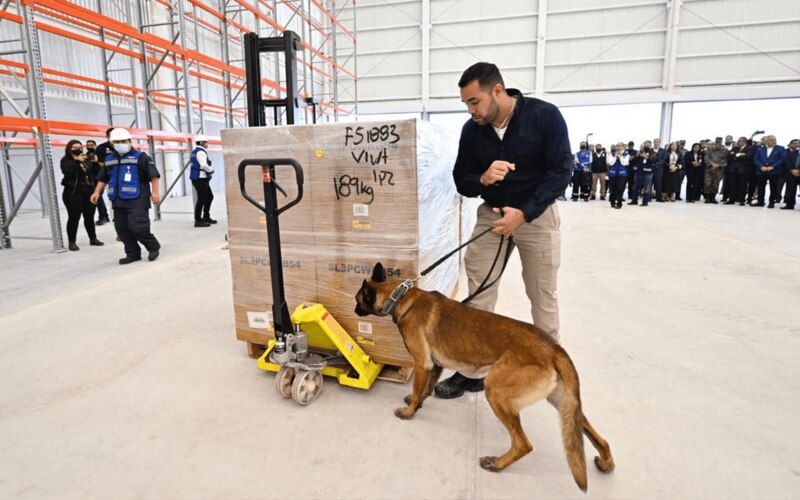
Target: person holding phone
[[78, 185]]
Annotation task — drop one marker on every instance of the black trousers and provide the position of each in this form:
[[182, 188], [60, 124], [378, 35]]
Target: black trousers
[[629, 180], [790, 197], [78, 205], [744, 187], [102, 211], [204, 199], [581, 181], [774, 188], [133, 227], [729, 186], [616, 185], [694, 183], [658, 180]]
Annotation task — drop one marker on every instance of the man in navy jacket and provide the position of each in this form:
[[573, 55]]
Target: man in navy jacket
[[515, 154], [769, 160]]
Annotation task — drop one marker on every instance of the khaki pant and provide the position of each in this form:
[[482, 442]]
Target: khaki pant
[[601, 178], [539, 246]]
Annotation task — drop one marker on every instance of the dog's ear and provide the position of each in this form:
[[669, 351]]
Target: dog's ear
[[378, 273]]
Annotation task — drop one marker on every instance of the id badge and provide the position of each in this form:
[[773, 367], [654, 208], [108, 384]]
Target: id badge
[[127, 176]]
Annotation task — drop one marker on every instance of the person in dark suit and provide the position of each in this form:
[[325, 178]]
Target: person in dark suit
[[681, 171], [693, 164], [658, 167], [741, 162], [632, 153], [673, 166], [792, 174], [769, 160]]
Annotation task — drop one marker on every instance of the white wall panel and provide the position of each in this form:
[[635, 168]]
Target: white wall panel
[[736, 11], [463, 10], [597, 76]]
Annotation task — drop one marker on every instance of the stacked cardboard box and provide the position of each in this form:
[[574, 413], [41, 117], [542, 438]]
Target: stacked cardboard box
[[373, 192]]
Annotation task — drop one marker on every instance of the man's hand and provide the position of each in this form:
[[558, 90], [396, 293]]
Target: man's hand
[[497, 171], [765, 169], [512, 219], [94, 197], [155, 197], [796, 172]]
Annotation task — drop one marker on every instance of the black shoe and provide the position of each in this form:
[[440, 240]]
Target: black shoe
[[128, 259], [99, 222], [771, 204], [586, 199], [713, 201], [741, 203], [201, 223], [210, 220], [618, 205], [729, 202], [152, 255], [787, 207], [689, 201], [633, 203], [678, 198], [456, 386], [758, 204], [644, 203], [602, 198], [659, 200]]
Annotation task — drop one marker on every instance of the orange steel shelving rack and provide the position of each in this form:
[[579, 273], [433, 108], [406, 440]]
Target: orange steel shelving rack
[[168, 66]]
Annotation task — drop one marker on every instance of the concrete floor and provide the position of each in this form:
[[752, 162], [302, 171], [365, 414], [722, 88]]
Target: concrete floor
[[127, 382]]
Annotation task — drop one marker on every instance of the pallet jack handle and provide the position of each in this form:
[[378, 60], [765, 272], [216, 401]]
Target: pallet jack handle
[[280, 311]]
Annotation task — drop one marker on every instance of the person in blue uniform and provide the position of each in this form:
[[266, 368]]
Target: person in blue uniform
[[617, 162], [131, 180], [581, 169], [200, 176]]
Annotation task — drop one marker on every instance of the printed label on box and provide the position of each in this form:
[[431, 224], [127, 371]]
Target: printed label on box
[[362, 224], [365, 328], [258, 319], [360, 210], [365, 341]]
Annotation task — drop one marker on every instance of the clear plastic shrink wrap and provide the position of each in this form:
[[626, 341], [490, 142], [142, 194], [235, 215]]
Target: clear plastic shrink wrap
[[373, 192]]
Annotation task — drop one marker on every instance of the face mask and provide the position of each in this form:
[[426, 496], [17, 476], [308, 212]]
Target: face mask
[[77, 152], [583, 147], [91, 150], [122, 148], [599, 150], [646, 150]]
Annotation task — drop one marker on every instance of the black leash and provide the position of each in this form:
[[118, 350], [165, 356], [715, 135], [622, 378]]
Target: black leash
[[483, 286]]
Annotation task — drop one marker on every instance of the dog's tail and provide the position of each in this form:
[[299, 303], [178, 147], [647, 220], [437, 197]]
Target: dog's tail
[[569, 408]]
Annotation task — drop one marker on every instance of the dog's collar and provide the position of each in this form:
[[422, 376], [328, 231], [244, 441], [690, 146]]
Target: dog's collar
[[396, 295]]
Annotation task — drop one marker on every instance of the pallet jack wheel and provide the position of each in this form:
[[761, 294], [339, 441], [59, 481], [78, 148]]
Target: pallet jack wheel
[[307, 386], [283, 381]]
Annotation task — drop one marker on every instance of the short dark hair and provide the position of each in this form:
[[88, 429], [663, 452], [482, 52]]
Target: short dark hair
[[108, 130], [92, 141], [486, 73]]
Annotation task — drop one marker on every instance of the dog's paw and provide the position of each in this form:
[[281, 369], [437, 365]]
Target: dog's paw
[[488, 463], [404, 413], [604, 467]]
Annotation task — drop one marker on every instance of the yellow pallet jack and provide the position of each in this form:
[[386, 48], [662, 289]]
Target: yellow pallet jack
[[310, 343]]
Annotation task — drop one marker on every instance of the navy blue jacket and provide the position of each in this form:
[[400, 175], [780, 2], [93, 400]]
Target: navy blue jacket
[[536, 141], [791, 160], [776, 159]]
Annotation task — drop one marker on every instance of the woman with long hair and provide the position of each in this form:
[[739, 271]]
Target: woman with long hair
[[78, 186], [693, 164], [674, 165]]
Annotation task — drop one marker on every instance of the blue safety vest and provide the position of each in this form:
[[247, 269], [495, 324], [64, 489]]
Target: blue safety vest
[[194, 173], [584, 160], [618, 169], [123, 175]]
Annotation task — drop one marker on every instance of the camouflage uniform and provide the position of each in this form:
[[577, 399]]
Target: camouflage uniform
[[715, 154]]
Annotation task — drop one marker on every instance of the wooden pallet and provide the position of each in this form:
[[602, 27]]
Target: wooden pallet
[[390, 373]]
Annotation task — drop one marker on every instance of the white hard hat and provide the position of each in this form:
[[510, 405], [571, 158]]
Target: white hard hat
[[119, 134], [200, 138]]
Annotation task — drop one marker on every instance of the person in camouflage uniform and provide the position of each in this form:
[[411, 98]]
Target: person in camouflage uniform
[[716, 158]]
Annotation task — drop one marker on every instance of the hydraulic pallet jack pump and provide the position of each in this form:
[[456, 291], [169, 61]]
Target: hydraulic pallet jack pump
[[310, 343]]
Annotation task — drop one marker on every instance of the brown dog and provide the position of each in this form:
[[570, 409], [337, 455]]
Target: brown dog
[[522, 365]]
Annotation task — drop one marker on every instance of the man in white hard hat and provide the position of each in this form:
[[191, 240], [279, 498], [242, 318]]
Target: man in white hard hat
[[200, 175], [131, 179]]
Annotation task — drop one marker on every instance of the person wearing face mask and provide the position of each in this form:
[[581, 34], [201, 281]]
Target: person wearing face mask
[[200, 176], [743, 170], [617, 161], [581, 169], [769, 160], [599, 172], [659, 165], [728, 179], [693, 164], [715, 160], [78, 186], [132, 181], [643, 166], [94, 168], [629, 180]]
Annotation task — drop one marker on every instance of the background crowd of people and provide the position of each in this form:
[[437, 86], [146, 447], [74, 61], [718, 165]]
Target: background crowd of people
[[740, 171]]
